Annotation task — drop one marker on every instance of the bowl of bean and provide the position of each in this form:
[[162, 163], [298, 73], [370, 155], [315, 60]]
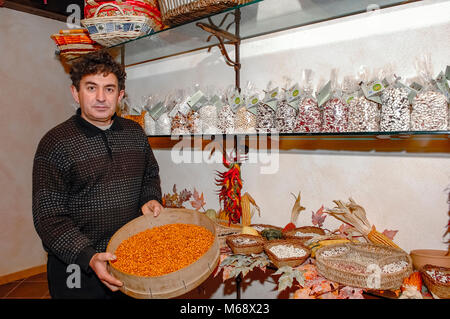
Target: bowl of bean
[[286, 252], [164, 257]]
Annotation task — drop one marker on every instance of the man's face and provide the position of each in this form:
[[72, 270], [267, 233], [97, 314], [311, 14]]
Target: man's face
[[98, 97]]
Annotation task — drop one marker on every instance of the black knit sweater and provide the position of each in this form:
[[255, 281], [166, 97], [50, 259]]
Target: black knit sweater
[[87, 183]]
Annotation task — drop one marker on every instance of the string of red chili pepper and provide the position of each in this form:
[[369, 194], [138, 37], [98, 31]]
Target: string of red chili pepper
[[230, 192]]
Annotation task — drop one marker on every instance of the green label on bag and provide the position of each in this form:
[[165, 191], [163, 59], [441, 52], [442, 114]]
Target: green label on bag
[[293, 93], [235, 101], [442, 85], [252, 101], [447, 72], [349, 97], [157, 110], [324, 94], [372, 88], [196, 100], [271, 95]]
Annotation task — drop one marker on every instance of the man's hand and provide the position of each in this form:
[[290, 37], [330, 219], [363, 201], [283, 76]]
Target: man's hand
[[152, 207], [98, 264]]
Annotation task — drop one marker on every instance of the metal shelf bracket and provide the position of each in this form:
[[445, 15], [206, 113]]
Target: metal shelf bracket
[[225, 37]]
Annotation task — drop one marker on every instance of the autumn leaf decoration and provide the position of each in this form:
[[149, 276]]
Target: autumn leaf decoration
[[390, 233], [198, 201], [176, 200], [318, 217]]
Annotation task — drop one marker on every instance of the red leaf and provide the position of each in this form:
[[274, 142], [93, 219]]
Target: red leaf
[[319, 217], [198, 201], [390, 233]]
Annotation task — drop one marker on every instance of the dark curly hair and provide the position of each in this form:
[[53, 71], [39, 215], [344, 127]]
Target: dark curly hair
[[94, 63]]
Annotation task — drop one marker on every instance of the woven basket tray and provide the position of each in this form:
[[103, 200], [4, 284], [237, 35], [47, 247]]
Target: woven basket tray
[[129, 8], [361, 265], [291, 234], [280, 262], [245, 249], [175, 12], [441, 290], [223, 231], [113, 30]]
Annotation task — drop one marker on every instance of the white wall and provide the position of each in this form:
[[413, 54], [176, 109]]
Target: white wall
[[399, 191], [35, 96]]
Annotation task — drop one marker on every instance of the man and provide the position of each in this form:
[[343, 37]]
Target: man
[[91, 175]]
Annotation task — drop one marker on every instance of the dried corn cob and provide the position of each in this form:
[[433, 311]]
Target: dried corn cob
[[246, 200], [378, 238]]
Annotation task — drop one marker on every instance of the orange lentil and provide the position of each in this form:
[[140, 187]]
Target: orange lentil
[[162, 250]]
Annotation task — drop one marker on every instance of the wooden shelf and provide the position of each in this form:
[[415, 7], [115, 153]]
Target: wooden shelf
[[411, 142]]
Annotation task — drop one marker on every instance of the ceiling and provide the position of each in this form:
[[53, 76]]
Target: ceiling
[[53, 9]]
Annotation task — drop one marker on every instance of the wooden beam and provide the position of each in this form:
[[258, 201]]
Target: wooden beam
[[411, 143], [32, 10]]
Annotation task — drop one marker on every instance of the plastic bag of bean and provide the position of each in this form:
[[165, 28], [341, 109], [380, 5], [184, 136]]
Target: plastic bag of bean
[[309, 117], [208, 112], [363, 114], [225, 120], [286, 112], [334, 109], [149, 122], [265, 118], [429, 110], [163, 124], [225, 117], [179, 124], [245, 118], [197, 99], [179, 114], [395, 106]]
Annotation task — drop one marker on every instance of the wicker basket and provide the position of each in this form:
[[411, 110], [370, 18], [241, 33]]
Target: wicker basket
[[361, 265], [113, 30], [441, 290], [73, 43], [223, 231], [291, 234], [175, 12], [291, 262], [245, 249], [129, 8]]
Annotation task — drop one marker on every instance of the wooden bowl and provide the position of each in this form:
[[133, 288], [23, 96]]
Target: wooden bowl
[[178, 282], [422, 257]]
